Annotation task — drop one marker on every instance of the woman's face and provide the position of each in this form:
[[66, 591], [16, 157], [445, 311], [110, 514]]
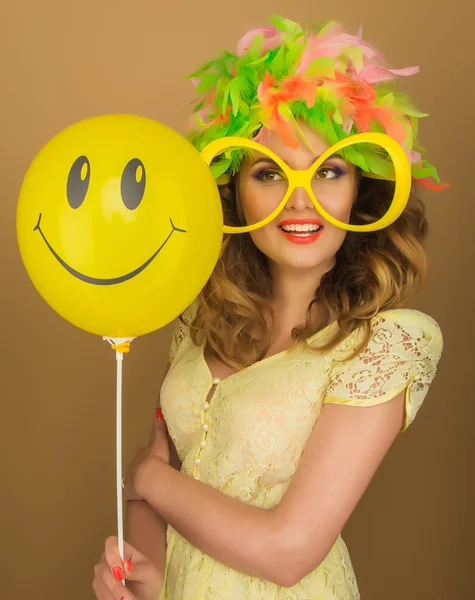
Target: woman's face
[[299, 237]]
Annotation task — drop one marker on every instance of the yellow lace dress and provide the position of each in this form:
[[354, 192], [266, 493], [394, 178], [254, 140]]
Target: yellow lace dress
[[250, 435]]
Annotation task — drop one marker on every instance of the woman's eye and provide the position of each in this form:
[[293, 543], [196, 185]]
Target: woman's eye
[[328, 173], [269, 176]]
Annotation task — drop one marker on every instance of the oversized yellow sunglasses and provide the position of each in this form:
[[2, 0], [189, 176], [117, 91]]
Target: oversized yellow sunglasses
[[303, 178]]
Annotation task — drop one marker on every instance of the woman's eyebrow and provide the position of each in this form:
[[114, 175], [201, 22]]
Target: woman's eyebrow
[[265, 159], [268, 160]]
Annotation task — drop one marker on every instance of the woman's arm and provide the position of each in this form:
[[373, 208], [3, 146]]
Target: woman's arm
[[286, 543], [145, 528]]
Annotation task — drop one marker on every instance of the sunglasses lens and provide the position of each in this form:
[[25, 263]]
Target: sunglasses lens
[[256, 189], [355, 196]]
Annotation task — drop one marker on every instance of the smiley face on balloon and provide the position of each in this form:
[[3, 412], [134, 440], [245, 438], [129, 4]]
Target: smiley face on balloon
[[119, 224]]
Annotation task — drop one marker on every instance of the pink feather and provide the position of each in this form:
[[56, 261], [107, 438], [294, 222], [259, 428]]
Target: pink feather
[[377, 73], [272, 38], [394, 128], [415, 157], [347, 124], [332, 47], [261, 137]]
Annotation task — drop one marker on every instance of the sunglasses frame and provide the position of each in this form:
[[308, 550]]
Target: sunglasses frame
[[303, 178]]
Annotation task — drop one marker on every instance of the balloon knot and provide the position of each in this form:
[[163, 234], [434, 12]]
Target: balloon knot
[[123, 347]]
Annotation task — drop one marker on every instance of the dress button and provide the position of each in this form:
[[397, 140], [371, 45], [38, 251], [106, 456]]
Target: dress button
[[216, 380], [203, 444], [196, 477], [205, 427], [197, 461], [206, 405]]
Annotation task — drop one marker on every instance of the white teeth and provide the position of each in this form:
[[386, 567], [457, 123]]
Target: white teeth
[[304, 228]]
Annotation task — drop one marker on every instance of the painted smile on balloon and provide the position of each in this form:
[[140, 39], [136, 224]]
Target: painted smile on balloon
[[112, 280]]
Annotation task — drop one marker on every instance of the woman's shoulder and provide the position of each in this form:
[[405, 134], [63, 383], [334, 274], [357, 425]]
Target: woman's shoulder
[[407, 329], [414, 323], [402, 352]]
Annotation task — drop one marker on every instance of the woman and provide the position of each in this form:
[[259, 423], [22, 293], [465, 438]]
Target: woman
[[297, 366]]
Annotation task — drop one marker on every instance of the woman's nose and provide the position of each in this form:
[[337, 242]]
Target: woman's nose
[[299, 200]]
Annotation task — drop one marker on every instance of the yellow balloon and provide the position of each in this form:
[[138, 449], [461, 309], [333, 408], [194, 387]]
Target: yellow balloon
[[119, 224]]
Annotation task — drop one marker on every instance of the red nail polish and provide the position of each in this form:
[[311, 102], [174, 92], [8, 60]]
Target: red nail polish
[[159, 414], [118, 573], [128, 565]]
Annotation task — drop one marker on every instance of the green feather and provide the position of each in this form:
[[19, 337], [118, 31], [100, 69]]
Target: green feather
[[255, 49], [199, 106], [278, 63], [226, 93], [337, 117], [356, 157], [326, 27], [220, 167], [285, 24], [235, 95], [356, 56], [427, 170], [259, 60], [206, 83], [379, 165], [321, 67], [243, 108], [202, 70]]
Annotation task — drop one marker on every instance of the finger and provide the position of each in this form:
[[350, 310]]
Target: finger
[[131, 554], [160, 430], [112, 588], [114, 584], [109, 580], [112, 554], [143, 571], [159, 418], [102, 592], [100, 587], [136, 567]]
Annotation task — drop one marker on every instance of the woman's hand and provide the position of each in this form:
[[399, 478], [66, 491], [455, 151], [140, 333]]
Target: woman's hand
[[144, 581], [158, 448]]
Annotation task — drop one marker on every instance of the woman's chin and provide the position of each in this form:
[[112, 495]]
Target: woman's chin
[[301, 254], [303, 261]]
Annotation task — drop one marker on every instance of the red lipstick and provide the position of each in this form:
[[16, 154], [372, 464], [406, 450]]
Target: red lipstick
[[301, 237]]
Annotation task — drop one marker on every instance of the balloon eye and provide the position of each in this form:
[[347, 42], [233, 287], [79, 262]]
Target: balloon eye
[[78, 182], [132, 185]]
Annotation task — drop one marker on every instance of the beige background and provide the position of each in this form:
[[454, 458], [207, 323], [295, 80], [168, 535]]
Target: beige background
[[411, 536]]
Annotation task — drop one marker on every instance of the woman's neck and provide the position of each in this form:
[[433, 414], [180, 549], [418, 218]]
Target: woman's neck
[[293, 290]]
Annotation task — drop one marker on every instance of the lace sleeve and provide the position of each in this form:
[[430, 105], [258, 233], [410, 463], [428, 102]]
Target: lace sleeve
[[402, 354], [181, 331]]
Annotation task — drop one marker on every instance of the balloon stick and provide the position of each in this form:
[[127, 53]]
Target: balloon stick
[[121, 346]]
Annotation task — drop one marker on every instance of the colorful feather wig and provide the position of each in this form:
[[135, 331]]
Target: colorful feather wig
[[335, 82]]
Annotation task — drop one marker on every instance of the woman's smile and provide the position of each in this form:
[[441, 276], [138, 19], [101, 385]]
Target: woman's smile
[[301, 231]]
